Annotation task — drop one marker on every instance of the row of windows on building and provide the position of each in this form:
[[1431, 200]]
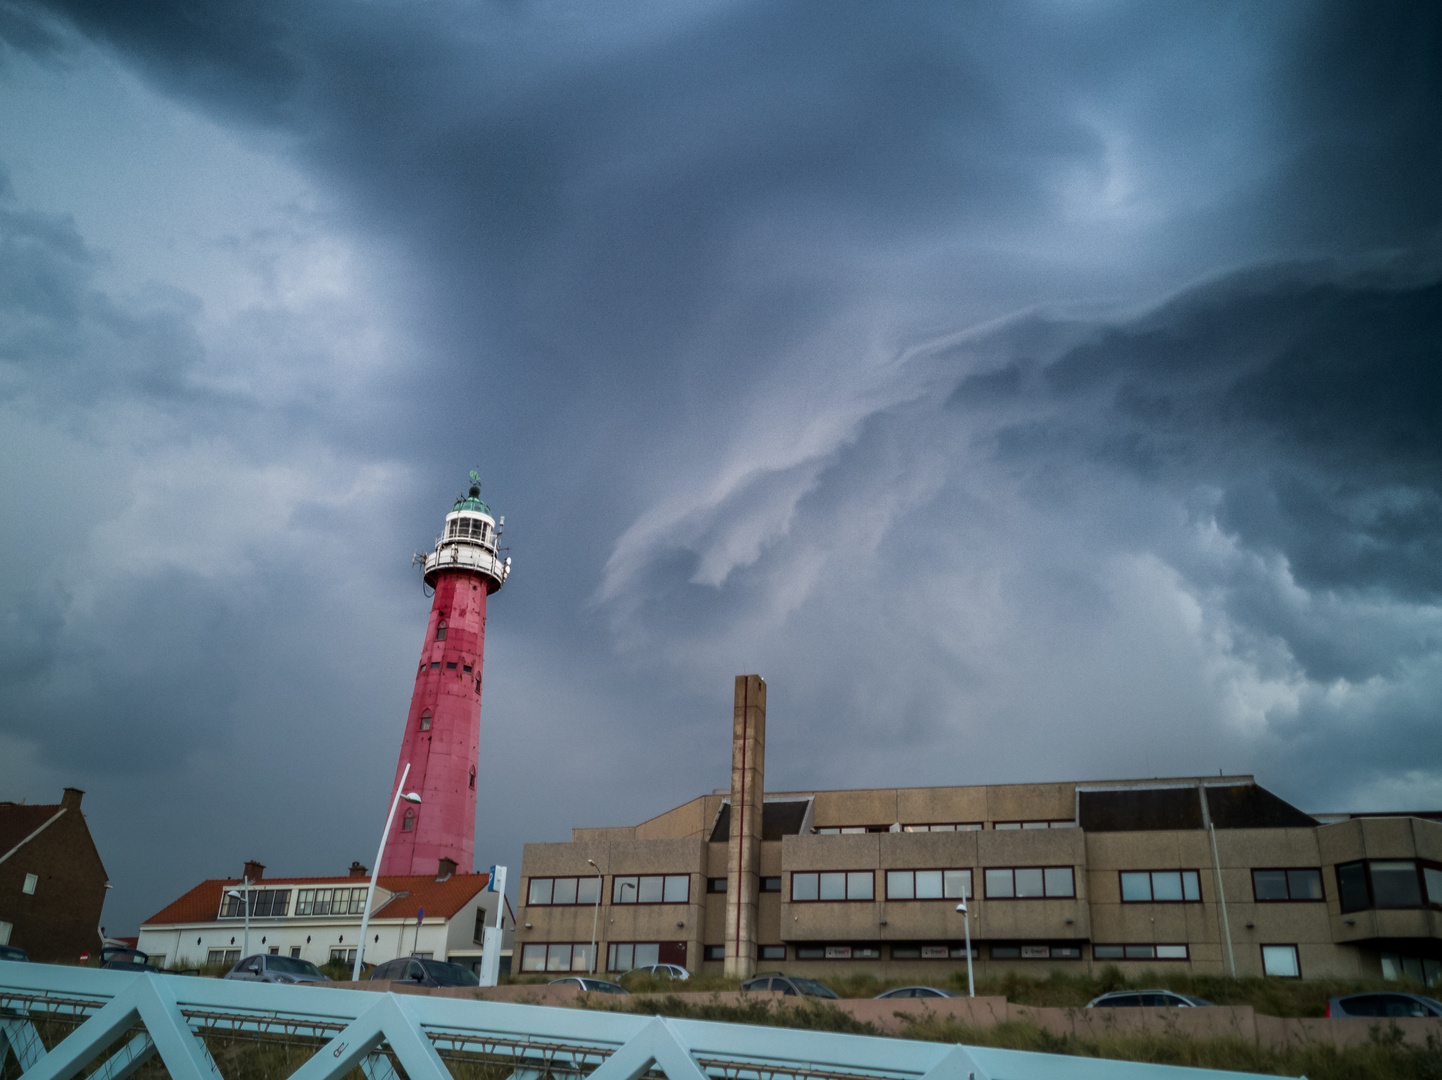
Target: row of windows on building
[[274, 903], [939, 826], [1393, 887], [1277, 960]]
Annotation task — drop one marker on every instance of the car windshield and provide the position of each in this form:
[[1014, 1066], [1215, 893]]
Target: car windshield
[[814, 988], [289, 965], [450, 974]]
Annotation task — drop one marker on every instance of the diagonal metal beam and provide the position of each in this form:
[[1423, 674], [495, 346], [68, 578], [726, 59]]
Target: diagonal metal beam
[[87, 1042], [958, 1064], [185, 1056], [388, 1021], [654, 1045], [127, 1059], [19, 1037]]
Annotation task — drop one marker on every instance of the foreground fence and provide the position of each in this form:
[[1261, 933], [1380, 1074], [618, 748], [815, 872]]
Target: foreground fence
[[116, 1022]]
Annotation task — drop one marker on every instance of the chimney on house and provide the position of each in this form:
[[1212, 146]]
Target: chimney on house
[[743, 855], [254, 870], [446, 869], [357, 870], [71, 799]]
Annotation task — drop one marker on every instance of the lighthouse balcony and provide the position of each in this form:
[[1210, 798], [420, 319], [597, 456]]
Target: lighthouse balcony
[[460, 555]]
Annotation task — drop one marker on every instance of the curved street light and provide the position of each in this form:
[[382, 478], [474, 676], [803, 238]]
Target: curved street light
[[596, 914], [246, 901], [966, 924], [410, 797]]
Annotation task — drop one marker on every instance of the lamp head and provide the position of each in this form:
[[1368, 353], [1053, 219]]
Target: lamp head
[[961, 907], [411, 797], [234, 894], [593, 863]]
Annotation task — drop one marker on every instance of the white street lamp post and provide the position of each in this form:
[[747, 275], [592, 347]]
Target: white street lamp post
[[245, 951], [410, 797], [596, 914], [966, 925]]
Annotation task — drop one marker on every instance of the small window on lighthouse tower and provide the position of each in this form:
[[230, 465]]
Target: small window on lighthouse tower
[[473, 778], [441, 630], [408, 822], [425, 722]]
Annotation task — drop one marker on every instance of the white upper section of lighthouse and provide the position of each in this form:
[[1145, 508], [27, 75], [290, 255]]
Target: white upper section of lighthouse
[[469, 542]]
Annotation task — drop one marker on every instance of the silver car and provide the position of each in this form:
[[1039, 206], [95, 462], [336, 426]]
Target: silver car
[[277, 969], [1154, 999], [660, 971]]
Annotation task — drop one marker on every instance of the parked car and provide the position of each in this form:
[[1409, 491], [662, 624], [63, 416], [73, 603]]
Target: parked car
[[1120, 999], [124, 958], [915, 992], [595, 986], [1387, 1003], [423, 972], [661, 971], [277, 969], [14, 952], [790, 985]]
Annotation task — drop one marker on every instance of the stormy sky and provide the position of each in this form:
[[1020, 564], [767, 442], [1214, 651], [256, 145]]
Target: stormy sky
[[1036, 391]]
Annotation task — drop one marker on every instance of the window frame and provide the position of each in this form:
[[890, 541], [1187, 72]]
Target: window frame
[[1013, 869], [613, 956], [1289, 898], [618, 881], [765, 885], [1151, 885], [1032, 824], [846, 875], [581, 948], [1419, 866], [1131, 951], [1296, 958], [717, 886], [969, 894], [943, 826], [577, 878]]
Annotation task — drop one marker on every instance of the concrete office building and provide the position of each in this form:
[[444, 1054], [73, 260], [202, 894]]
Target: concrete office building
[[1203, 874]]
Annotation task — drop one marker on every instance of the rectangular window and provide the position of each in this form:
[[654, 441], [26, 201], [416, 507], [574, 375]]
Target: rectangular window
[[274, 950], [1303, 884], [623, 956], [466, 668], [1432, 877], [771, 884], [1395, 884], [550, 892], [928, 884], [832, 885], [651, 889], [1161, 887], [1013, 826], [810, 952], [1006, 952], [1281, 961], [956, 826], [715, 884], [715, 952], [295, 952], [1352, 886], [557, 956], [340, 954], [222, 958], [31, 880], [1029, 882], [1066, 952], [844, 830], [6, 928], [1137, 952], [773, 952]]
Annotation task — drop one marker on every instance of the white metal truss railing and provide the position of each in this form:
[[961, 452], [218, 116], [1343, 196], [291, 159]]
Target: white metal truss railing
[[378, 1032]]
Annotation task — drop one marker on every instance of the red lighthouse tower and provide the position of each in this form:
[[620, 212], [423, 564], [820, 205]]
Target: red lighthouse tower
[[443, 729]]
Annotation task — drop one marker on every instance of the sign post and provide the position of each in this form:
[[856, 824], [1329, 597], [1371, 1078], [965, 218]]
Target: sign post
[[491, 936]]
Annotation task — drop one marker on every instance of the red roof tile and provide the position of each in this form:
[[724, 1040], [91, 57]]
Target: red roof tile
[[439, 898]]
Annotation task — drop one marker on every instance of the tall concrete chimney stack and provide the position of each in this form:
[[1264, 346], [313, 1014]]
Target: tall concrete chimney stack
[[743, 860]]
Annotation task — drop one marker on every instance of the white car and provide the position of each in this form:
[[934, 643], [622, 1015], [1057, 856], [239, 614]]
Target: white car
[[661, 971]]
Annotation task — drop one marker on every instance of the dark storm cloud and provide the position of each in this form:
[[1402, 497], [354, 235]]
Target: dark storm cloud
[[666, 271]]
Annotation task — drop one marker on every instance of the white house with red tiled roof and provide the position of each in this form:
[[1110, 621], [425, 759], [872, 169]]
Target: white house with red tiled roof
[[318, 919]]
